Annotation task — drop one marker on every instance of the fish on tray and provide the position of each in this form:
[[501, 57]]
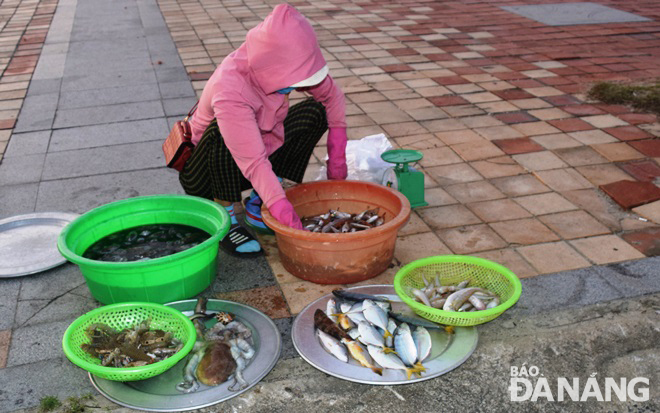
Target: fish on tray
[[379, 339]]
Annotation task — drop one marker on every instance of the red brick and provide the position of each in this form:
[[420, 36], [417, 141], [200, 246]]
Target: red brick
[[447, 100], [512, 94], [637, 118], [450, 80], [582, 110], [396, 68], [562, 100], [570, 124], [628, 133], [646, 241], [518, 145], [7, 123], [402, 52], [630, 194], [643, 171], [649, 147]]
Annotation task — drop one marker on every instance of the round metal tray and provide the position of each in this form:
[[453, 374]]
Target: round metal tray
[[158, 394], [28, 243], [448, 352]]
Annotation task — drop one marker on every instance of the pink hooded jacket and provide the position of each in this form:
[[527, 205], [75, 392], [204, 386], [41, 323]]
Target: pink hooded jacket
[[241, 94]]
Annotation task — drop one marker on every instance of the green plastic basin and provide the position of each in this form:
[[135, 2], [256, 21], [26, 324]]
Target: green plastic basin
[[171, 278]]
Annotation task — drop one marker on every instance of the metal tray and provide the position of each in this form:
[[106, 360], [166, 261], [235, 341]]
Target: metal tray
[[448, 352], [29, 242], [158, 394]]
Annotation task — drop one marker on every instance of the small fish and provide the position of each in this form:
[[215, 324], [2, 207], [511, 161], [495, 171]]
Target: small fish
[[405, 345], [323, 323], [422, 340], [477, 303], [370, 335], [419, 294], [333, 346], [457, 299], [463, 284], [357, 352], [494, 303], [375, 315], [416, 321], [389, 360], [391, 327], [354, 333], [330, 309], [351, 296]]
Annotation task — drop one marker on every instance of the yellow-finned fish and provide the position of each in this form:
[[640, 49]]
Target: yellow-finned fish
[[362, 357]]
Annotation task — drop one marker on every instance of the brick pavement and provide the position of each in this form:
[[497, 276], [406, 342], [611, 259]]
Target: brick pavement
[[514, 154]]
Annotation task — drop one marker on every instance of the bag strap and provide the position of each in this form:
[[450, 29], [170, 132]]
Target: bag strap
[[194, 108]]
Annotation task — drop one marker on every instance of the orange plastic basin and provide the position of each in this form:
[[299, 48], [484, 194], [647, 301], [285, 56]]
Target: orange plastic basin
[[331, 258]]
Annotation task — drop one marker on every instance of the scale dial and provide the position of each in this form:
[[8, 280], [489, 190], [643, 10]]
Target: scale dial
[[390, 179]]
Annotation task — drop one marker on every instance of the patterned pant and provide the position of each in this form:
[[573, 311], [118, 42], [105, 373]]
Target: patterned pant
[[211, 171]]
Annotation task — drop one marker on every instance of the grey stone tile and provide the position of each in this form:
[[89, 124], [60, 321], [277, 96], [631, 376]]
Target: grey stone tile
[[108, 96], [25, 385], [254, 273], [81, 65], [170, 74], [37, 113], [28, 143], [66, 307], [68, 118], [37, 343], [106, 48], [21, 169], [284, 326], [52, 283], [182, 89], [103, 160], [178, 106], [563, 14], [106, 80], [9, 290], [44, 86], [80, 195], [633, 278], [17, 199], [109, 134], [50, 67]]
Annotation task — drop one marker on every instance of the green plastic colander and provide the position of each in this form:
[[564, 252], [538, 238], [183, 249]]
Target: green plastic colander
[[127, 315], [451, 270]]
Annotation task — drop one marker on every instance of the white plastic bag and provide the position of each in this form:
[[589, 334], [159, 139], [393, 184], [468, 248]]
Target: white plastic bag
[[363, 159]]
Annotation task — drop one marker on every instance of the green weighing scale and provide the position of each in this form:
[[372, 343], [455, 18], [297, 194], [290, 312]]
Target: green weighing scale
[[404, 178]]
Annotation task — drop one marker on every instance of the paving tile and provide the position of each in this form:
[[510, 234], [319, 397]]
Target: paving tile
[[539, 161], [480, 121], [448, 216], [463, 111], [535, 128], [415, 224], [269, 300], [546, 203], [628, 133], [637, 118], [649, 147], [604, 121], [630, 194], [442, 101], [458, 136], [570, 124], [474, 192], [520, 185], [511, 260], [414, 247], [532, 103], [562, 180], [644, 171], [605, 249], [499, 132], [442, 125], [439, 156], [646, 241], [574, 224], [518, 145], [556, 141], [617, 152], [515, 117], [603, 174], [438, 197], [553, 257], [583, 110], [526, 231], [498, 210], [471, 239], [580, 155], [592, 137], [497, 107], [453, 174], [5, 339], [498, 167], [549, 114], [299, 294], [476, 150]]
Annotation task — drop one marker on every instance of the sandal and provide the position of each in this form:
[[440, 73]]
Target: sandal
[[252, 206], [236, 237]]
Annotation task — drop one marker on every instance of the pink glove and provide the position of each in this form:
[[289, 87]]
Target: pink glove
[[337, 168], [283, 211]]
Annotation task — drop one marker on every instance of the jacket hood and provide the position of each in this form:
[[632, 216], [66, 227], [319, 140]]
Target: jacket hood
[[283, 49]]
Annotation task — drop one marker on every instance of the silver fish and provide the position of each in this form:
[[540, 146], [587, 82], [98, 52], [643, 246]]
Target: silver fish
[[385, 306], [391, 327], [370, 335], [422, 340], [330, 309], [419, 294], [405, 345], [375, 315], [457, 299], [333, 346], [477, 303], [354, 333], [494, 303], [389, 360]]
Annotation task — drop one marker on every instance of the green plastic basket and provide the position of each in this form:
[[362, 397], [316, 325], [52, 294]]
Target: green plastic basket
[[124, 315], [451, 270]]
